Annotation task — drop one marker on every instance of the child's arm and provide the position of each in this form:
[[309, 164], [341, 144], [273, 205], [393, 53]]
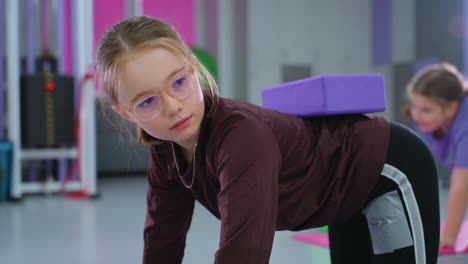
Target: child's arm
[[169, 213], [248, 163], [458, 193], [456, 208]]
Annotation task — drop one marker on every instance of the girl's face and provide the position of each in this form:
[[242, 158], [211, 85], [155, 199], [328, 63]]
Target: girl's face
[[160, 92], [429, 114]]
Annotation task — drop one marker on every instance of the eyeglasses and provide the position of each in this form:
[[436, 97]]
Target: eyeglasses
[[150, 107]]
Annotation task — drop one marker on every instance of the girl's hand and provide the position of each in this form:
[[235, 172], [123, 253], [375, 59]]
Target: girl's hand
[[446, 242], [446, 246]]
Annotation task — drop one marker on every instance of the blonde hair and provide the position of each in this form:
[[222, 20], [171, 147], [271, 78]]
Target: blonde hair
[[137, 33]]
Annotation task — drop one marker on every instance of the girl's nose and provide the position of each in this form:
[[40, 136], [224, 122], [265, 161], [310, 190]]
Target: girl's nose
[[414, 114], [171, 105]]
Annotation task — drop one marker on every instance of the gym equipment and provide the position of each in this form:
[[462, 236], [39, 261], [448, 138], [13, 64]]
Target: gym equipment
[[5, 169], [47, 110], [328, 95], [318, 239], [74, 15]]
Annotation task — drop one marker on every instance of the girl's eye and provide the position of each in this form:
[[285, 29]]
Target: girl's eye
[[148, 101], [179, 82], [426, 110]]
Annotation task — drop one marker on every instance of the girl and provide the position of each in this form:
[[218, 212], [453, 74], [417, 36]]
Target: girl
[[440, 110], [259, 170]]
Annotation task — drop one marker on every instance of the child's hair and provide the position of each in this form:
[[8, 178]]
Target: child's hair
[[442, 83], [138, 33]]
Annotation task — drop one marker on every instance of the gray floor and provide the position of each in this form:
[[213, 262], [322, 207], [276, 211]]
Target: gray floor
[[56, 230]]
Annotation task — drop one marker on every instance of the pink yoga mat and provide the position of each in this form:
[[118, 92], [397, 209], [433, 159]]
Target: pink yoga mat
[[321, 239], [461, 246]]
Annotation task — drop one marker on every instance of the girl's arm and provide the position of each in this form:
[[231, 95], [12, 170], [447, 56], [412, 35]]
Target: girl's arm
[[456, 208], [169, 213], [248, 164]]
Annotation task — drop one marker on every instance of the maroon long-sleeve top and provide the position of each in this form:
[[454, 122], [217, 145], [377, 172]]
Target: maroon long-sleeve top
[[258, 171]]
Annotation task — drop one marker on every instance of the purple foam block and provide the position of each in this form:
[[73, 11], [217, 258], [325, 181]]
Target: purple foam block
[[328, 95]]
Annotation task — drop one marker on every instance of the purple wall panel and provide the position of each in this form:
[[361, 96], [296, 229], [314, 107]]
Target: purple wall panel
[[67, 39], [180, 14], [107, 13], [30, 37], [382, 31], [465, 37], [2, 69]]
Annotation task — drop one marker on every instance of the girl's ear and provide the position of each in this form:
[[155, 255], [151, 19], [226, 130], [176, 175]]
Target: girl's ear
[[122, 113]]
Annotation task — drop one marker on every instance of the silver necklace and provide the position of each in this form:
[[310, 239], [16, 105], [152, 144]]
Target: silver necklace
[[193, 166]]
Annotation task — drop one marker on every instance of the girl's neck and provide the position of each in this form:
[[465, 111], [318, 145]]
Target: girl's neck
[[188, 148], [188, 154], [439, 134]]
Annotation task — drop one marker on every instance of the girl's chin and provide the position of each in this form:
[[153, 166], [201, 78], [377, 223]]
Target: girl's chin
[[188, 136], [427, 129]]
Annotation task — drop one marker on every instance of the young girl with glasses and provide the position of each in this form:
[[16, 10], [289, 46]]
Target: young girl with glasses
[[439, 109], [260, 170]]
